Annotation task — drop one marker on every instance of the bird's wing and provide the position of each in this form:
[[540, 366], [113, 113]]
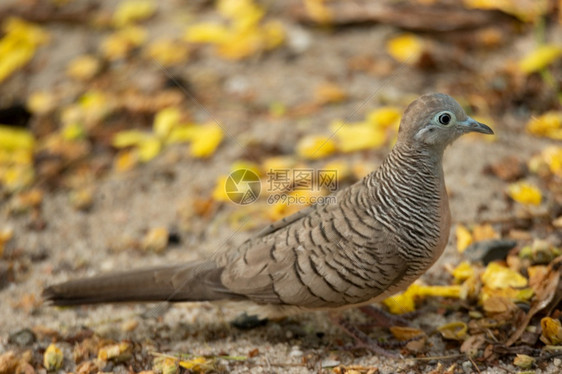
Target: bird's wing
[[332, 256], [277, 225]]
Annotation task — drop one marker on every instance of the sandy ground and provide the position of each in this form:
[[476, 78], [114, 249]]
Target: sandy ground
[[151, 196]]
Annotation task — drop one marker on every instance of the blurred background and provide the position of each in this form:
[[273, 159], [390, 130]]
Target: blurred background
[[121, 122]]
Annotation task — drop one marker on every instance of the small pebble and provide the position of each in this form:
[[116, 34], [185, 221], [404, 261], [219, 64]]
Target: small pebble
[[296, 352], [22, 338], [467, 366], [329, 363], [557, 362]]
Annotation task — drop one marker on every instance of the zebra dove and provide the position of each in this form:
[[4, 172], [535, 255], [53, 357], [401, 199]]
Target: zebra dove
[[382, 233]]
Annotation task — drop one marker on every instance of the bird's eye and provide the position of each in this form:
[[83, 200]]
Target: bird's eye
[[444, 118]]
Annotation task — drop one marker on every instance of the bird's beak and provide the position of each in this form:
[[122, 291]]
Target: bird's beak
[[470, 125]]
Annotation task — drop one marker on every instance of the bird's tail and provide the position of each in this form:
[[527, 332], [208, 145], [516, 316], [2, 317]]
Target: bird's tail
[[198, 281]]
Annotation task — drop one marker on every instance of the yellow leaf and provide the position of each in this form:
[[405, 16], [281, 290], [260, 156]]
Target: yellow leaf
[[19, 44], [16, 177], [165, 365], [197, 364], [278, 163], [125, 160], [240, 10], [219, 193], [12, 139], [149, 148], [551, 331], [129, 138], [356, 137], [207, 32], [463, 271], [454, 330], [498, 304], [273, 34], [540, 58], [385, 117], [52, 358], [132, 11], [484, 232], [464, 238], [525, 10], [207, 139], [247, 165], [6, 235], [165, 120], [168, 52], [318, 10], [497, 276], [523, 361], [400, 303], [182, 134], [116, 352], [120, 43], [548, 124], [334, 171], [552, 156], [156, 240], [405, 48], [73, 131], [329, 93], [83, 67], [241, 45], [405, 301], [524, 193], [314, 147], [41, 102]]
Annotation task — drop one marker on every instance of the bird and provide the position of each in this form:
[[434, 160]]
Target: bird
[[373, 240]]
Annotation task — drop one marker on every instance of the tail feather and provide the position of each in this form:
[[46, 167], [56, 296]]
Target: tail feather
[[190, 282]]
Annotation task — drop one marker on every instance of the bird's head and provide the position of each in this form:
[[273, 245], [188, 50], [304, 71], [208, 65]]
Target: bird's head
[[435, 120]]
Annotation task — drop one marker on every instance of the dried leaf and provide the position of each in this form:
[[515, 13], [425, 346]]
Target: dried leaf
[[524, 193], [497, 276], [116, 352], [314, 147], [540, 58], [83, 67], [156, 240], [454, 330], [405, 333], [551, 331], [198, 364], [167, 52], [463, 271], [18, 45], [548, 124], [206, 141], [327, 93], [545, 291], [358, 136], [52, 358], [523, 361], [464, 238], [165, 120], [131, 11], [406, 48], [386, 117]]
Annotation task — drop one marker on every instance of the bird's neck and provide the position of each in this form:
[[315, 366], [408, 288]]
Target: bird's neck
[[415, 162]]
